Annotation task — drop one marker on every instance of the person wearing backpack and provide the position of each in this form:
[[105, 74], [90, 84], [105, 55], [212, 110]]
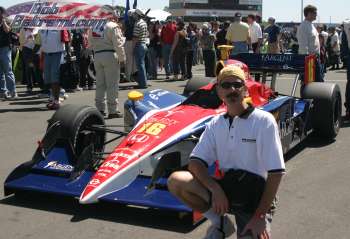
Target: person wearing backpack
[[178, 51]]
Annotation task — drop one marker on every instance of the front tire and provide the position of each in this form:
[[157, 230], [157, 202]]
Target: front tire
[[74, 119]]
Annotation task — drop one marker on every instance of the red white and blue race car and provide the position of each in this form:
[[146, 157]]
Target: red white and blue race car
[[161, 129]]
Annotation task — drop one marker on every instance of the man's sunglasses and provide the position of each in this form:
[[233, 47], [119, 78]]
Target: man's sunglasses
[[230, 85]]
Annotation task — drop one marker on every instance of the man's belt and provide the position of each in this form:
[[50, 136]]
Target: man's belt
[[104, 51]]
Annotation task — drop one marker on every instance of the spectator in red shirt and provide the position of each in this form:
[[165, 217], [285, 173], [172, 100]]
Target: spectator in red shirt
[[167, 39]]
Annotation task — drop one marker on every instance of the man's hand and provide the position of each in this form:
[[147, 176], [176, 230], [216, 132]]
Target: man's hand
[[121, 62], [220, 203], [257, 226]]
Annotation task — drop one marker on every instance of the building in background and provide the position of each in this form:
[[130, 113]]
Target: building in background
[[207, 10]]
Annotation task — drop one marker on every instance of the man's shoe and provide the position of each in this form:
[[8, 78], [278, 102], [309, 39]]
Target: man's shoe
[[227, 230], [53, 105], [29, 90], [12, 96], [115, 115], [78, 88], [92, 87], [4, 95], [347, 115]]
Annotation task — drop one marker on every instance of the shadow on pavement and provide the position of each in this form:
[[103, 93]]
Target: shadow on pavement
[[151, 218], [33, 109], [312, 141], [345, 122], [25, 102]]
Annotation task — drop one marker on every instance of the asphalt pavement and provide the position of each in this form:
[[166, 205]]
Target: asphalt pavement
[[314, 198]]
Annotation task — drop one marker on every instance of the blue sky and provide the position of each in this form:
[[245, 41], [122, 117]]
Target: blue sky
[[284, 10]]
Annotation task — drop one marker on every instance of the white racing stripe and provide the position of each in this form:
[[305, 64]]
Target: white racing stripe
[[93, 195]]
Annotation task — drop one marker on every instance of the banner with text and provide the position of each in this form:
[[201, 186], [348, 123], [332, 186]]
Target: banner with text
[[57, 15]]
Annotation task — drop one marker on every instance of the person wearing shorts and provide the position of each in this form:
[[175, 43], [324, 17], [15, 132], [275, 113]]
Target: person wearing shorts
[[246, 145], [52, 48]]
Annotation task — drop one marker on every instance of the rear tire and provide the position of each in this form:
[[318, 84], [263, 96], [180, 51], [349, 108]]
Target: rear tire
[[74, 119], [327, 108], [195, 84]]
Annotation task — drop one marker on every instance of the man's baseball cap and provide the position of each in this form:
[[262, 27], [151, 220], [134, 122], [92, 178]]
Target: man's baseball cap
[[271, 19], [232, 70], [131, 12], [238, 14], [139, 12], [110, 9]]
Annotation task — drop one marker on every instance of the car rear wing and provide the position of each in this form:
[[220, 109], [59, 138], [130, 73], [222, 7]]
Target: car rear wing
[[280, 63]]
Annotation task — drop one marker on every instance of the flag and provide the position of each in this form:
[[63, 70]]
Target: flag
[[134, 6], [127, 8]]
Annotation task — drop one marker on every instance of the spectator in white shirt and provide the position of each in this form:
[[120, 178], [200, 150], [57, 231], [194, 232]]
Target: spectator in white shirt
[[308, 38], [334, 48], [255, 33], [307, 34]]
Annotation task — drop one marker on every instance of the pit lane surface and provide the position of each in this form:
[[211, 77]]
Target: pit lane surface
[[314, 196]]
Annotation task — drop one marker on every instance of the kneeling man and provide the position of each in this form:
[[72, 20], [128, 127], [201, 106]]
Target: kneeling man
[[245, 141]]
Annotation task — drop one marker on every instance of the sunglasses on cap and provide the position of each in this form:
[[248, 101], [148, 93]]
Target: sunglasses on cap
[[229, 85]]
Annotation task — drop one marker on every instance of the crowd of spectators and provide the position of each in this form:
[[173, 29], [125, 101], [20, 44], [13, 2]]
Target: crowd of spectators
[[150, 46]]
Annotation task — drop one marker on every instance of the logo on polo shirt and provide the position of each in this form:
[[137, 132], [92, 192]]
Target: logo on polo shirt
[[248, 140]]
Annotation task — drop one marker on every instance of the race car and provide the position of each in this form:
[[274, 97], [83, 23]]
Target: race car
[[160, 130]]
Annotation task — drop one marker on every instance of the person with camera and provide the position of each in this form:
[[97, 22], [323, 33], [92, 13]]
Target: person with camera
[[246, 145], [7, 84]]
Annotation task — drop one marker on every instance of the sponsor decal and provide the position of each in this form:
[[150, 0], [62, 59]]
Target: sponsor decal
[[94, 182], [98, 33], [286, 128], [152, 128], [155, 94], [152, 104], [138, 138], [280, 58], [57, 166], [107, 171], [153, 97], [114, 164], [171, 112], [248, 140], [166, 121]]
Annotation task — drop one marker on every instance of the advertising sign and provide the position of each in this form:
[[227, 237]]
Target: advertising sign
[[250, 2], [57, 15]]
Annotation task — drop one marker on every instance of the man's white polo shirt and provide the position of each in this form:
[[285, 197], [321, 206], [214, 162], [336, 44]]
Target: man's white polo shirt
[[255, 32], [251, 143]]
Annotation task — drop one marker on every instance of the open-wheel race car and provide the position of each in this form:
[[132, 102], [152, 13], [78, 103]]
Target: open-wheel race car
[[160, 130]]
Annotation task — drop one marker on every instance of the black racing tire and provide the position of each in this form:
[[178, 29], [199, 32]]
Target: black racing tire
[[76, 118], [327, 108], [195, 84]]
